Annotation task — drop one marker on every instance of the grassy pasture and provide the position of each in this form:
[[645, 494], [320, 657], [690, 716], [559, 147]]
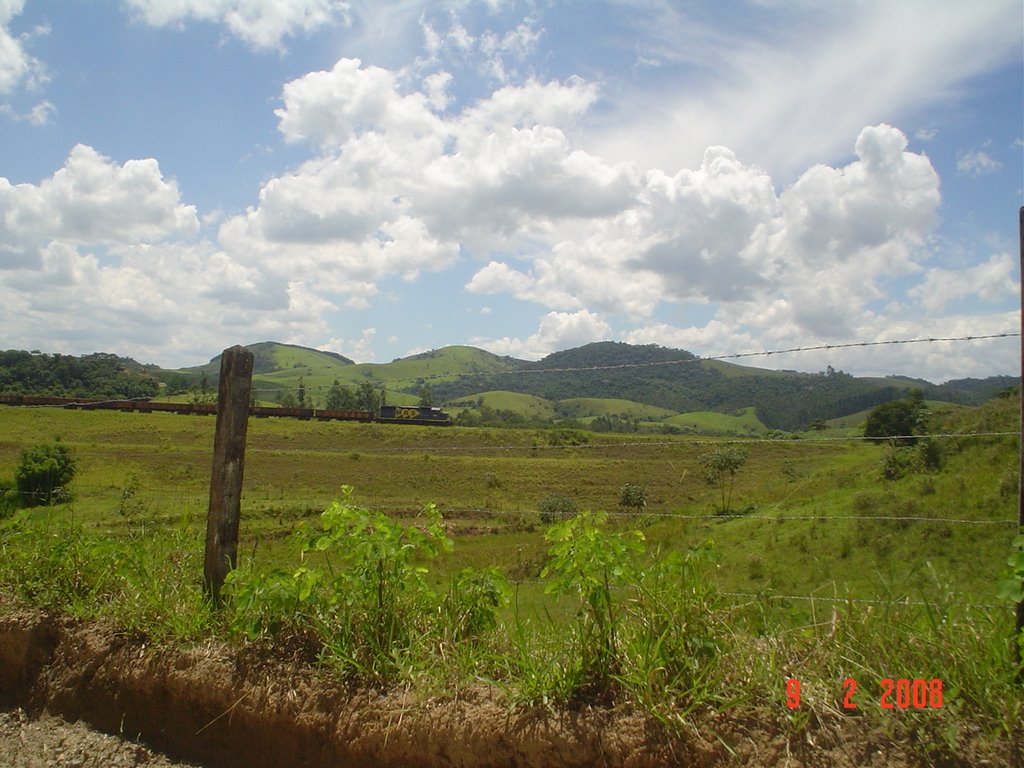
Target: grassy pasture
[[582, 407], [809, 519], [744, 423], [813, 514], [528, 406]]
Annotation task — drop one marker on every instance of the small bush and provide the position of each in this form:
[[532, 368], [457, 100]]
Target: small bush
[[632, 497], [360, 590], [9, 498], [44, 474], [556, 507], [471, 607], [898, 421], [720, 468], [588, 560], [900, 462], [931, 455]]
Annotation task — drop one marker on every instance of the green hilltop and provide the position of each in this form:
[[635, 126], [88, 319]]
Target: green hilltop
[[608, 386], [605, 386]]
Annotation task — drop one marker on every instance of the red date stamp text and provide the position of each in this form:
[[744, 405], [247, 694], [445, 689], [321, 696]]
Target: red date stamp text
[[901, 693]]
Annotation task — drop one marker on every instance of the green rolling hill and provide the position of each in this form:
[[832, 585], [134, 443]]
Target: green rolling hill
[[584, 407], [744, 423], [605, 385], [652, 386]]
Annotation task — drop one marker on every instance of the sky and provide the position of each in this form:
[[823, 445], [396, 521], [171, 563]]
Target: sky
[[379, 179]]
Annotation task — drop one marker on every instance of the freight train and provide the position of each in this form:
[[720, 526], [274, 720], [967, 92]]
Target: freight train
[[389, 414]]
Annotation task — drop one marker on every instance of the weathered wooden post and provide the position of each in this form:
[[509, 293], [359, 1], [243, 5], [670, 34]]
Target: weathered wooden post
[[228, 464], [1020, 482]]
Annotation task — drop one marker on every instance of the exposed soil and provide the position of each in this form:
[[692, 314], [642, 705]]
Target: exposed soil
[[215, 707], [49, 742]]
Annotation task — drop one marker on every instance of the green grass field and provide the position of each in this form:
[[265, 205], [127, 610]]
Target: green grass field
[[813, 528], [745, 423], [490, 483], [525, 405]]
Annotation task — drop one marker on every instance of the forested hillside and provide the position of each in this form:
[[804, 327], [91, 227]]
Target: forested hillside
[[96, 375], [679, 381]]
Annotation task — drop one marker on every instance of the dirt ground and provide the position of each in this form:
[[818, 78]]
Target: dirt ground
[[49, 742]]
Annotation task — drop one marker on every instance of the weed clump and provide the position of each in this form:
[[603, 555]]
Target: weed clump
[[360, 592], [646, 630]]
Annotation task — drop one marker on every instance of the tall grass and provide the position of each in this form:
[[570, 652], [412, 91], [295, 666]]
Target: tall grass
[[644, 629], [146, 581]]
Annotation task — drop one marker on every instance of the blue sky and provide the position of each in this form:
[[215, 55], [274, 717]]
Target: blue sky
[[378, 179]]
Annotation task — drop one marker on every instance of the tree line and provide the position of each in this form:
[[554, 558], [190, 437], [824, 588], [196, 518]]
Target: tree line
[[96, 375], [364, 397]]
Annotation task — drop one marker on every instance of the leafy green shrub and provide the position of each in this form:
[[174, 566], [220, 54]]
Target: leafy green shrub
[[1011, 589], [900, 461], [899, 420], [564, 437], [44, 474], [632, 497], [588, 560], [556, 507], [470, 609], [648, 630], [360, 589], [931, 454], [9, 498], [130, 507]]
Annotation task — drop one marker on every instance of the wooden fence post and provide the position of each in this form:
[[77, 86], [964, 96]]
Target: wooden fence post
[[228, 463], [1019, 624]]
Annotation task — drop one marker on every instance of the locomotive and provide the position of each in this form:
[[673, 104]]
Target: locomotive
[[413, 414], [389, 414]]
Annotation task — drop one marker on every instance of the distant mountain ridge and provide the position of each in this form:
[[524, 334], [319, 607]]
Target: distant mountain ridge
[[650, 375], [659, 379]]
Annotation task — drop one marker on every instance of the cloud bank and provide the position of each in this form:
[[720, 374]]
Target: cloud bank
[[561, 195]]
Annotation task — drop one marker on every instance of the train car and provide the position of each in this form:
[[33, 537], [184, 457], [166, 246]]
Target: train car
[[325, 414], [38, 400], [148, 406], [106, 405], [389, 414], [414, 414]]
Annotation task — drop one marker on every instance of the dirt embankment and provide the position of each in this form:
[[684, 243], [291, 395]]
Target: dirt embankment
[[214, 707]]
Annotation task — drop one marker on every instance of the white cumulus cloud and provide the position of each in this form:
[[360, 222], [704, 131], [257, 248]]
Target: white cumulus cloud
[[262, 24], [558, 330], [397, 188], [720, 233], [991, 281], [92, 200], [17, 66]]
